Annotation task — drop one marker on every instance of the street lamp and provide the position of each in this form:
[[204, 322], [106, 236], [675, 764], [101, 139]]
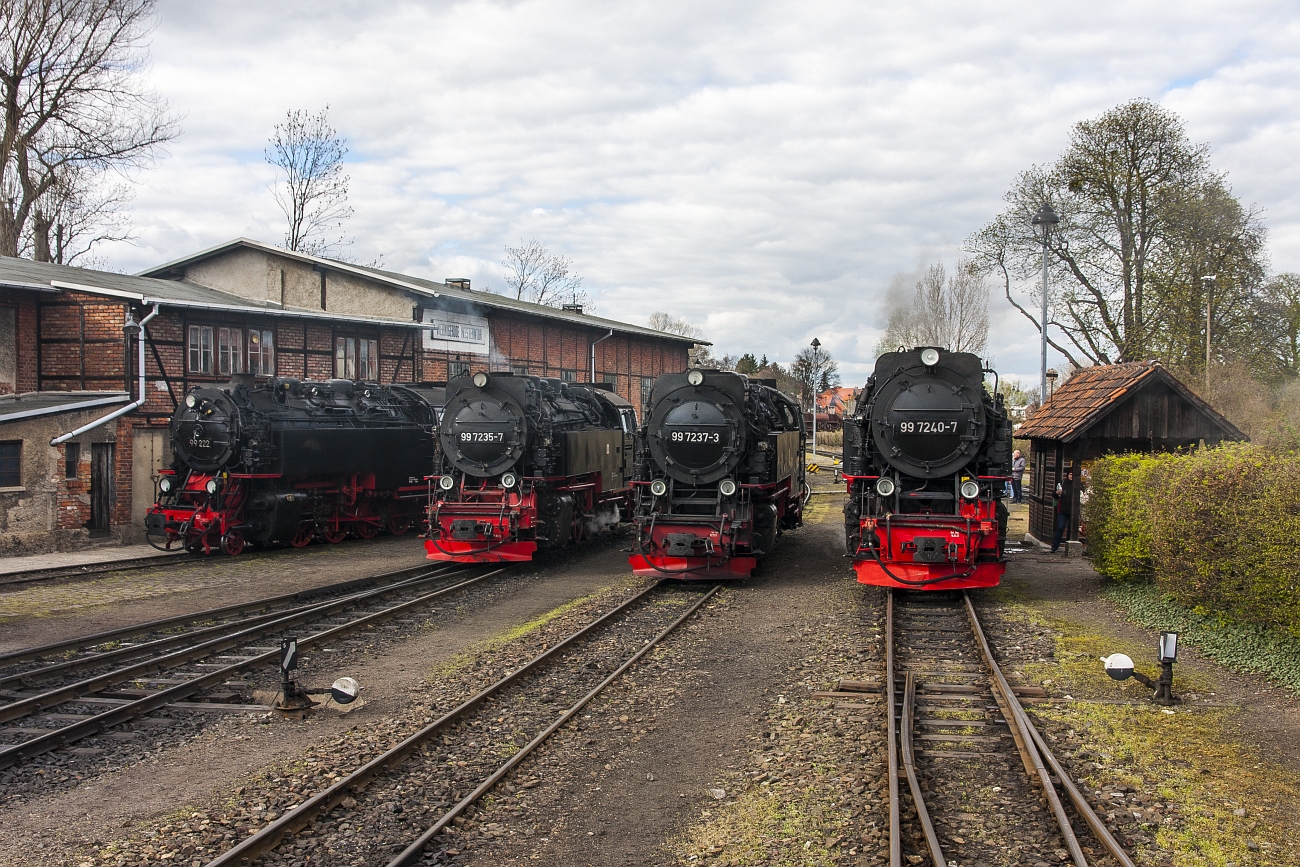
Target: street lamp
[[1043, 222], [1207, 283], [1051, 378], [816, 344]]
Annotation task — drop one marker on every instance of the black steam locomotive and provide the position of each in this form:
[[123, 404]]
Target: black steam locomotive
[[722, 474], [529, 462], [292, 461], [927, 457]]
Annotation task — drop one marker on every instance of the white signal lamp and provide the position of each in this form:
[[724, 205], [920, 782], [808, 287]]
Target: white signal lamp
[[446, 483], [695, 377], [190, 400], [165, 484], [727, 487], [345, 690], [658, 488], [970, 489], [1118, 665], [480, 380], [211, 486], [929, 357], [1168, 647], [509, 480], [885, 486]]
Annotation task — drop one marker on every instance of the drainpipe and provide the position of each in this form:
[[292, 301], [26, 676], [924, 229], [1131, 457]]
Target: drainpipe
[[123, 410], [593, 354]]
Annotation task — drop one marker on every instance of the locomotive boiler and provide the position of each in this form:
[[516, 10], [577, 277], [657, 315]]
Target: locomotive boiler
[[722, 474], [926, 459], [292, 461], [528, 463]]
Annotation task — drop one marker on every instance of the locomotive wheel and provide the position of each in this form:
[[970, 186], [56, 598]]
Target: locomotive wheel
[[398, 524], [232, 543], [303, 537], [333, 535], [366, 528]]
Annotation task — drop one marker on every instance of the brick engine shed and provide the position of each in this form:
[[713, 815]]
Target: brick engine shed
[[241, 308]]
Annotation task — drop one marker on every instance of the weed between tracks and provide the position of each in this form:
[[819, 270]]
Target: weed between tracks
[[1175, 785]]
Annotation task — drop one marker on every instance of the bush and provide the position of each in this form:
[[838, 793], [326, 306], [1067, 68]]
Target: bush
[[1216, 528]]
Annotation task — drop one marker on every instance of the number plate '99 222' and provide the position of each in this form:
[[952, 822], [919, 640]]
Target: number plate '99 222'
[[470, 436], [927, 427], [693, 436]]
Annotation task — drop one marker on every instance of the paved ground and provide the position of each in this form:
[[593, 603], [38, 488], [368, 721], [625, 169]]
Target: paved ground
[[82, 558]]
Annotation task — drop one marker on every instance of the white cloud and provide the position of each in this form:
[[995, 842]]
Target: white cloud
[[762, 169]]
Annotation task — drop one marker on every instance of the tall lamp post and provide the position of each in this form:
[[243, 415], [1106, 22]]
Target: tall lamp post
[[1044, 221], [1207, 283], [816, 344]]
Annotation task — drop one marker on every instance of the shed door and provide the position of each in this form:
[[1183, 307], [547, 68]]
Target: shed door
[[103, 492]]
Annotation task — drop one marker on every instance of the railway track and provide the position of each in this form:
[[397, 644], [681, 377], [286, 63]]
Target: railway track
[[107, 682], [971, 758], [408, 797]]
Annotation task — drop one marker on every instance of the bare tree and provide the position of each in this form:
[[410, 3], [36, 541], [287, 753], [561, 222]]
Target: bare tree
[[73, 111], [661, 321], [75, 215], [952, 312], [314, 192], [534, 274]]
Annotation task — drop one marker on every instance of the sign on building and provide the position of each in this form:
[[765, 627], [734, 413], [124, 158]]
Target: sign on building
[[455, 332]]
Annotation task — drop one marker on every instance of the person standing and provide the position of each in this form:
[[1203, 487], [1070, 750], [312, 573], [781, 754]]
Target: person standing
[[1017, 477], [1064, 496]]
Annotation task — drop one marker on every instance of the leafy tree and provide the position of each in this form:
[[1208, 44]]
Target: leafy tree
[[74, 111], [534, 274], [1282, 301], [314, 195], [948, 311], [1142, 218], [815, 371]]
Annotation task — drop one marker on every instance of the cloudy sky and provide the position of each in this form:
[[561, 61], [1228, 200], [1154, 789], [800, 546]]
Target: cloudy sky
[[763, 169]]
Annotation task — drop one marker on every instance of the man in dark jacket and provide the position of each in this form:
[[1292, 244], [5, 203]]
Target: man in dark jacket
[[1017, 477], [1064, 497]]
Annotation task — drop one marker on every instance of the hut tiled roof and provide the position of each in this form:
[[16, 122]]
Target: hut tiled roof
[[1091, 392]]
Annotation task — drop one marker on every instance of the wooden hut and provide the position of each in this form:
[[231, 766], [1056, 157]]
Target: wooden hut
[[1133, 407]]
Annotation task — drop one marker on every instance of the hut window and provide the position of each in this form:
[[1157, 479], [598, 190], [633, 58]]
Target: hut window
[[11, 464]]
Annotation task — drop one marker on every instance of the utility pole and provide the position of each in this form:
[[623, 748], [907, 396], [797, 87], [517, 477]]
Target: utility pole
[[1207, 282], [1043, 222]]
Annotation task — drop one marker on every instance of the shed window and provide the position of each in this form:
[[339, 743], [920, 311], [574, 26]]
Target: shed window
[[356, 358], [1040, 473], [71, 460], [230, 350], [457, 368], [11, 464], [261, 352], [519, 369], [569, 375], [610, 379], [200, 348]]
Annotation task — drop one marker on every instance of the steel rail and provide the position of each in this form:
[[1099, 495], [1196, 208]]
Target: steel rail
[[325, 800], [909, 764], [1019, 724], [895, 821], [282, 620], [412, 852], [182, 619], [116, 716], [146, 648]]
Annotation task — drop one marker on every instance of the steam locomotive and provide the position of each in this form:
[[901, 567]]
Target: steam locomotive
[[529, 463], [926, 460], [292, 461], [722, 473]]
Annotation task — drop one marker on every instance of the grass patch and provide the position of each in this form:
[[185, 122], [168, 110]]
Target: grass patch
[[769, 826], [1186, 758], [1240, 646]]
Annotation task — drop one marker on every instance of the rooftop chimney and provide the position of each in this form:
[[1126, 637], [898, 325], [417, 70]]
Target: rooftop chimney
[[573, 308], [458, 283]]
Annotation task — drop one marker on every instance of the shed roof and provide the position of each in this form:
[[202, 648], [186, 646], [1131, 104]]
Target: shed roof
[[425, 287], [1092, 392], [37, 403]]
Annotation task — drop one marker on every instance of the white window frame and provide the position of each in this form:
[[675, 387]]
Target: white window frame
[[200, 345], [261, 359]]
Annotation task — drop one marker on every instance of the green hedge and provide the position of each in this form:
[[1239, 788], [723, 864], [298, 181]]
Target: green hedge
[[1218, 529]]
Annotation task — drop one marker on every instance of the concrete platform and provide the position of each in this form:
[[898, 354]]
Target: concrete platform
[[88, 559]]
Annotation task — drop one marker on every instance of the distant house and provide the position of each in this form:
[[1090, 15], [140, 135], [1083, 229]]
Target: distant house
[[69, 350], [1133, 407]]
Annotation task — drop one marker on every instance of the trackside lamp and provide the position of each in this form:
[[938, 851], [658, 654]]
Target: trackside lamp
[[1120, 667]]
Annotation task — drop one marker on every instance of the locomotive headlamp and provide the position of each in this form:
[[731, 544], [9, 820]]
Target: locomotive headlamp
[[885, 486], [446, 483], [658, 488], [929, 357], [211, 486], [480, 380], [165, 484], [726, 487], [695, 377], [509, 480], [970, 489], [190, 400]]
